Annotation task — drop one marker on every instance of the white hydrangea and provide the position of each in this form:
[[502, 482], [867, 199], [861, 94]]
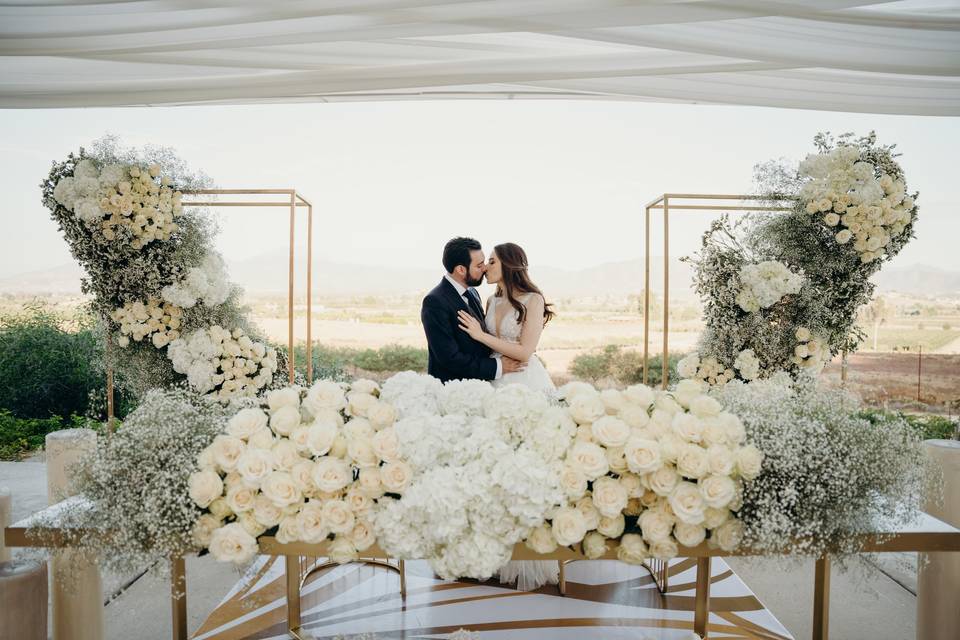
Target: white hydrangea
[[747, 364], [412, 394], [207, 283], [764, 284], [160, 321], [464, 397]]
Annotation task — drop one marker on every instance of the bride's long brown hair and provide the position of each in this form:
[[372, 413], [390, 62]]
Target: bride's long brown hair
[[515, 281]]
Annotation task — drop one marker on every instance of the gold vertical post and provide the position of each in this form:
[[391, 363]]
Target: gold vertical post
[[178, 597], [843, 368], [563, 577], [293, 592], [646, 295], [701, 614], [291, 358], [309, 293], [403, 579], [110, 409], [665, 368], [821, 599]]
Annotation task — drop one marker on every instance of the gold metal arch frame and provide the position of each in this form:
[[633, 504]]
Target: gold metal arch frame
[[293, 200], [683, 202]]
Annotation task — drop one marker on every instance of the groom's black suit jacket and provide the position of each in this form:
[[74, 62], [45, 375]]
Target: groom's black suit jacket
[[453, 354]]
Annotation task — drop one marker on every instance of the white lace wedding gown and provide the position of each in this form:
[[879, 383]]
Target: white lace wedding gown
[[528, 574]]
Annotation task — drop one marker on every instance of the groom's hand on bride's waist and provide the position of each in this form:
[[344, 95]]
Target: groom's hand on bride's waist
[[512, 366]]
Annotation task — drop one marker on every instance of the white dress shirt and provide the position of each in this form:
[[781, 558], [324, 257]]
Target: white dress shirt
[[462, 290]]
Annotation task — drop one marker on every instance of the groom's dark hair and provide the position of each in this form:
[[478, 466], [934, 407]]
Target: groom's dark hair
[[457, 252]]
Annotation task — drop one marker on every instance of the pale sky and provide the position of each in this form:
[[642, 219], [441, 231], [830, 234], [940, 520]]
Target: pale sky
[[392, 181]]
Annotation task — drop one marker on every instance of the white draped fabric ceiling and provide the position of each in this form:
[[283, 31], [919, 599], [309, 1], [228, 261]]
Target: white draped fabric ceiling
[[878, 57]]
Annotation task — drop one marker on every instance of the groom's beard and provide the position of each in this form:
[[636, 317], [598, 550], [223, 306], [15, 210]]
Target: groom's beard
[[471, 282]]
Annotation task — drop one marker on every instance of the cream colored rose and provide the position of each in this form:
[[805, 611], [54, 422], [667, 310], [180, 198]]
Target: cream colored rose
[[613, 400], [262, 439], [302, 474], [717, 491], [361, 452], [635, 506], [594, 545], [573, 482], [720, 460], [339, 447], [338, 516], [749, 462], [583, 434], [359, 403], [590, 513], [640, 395], [635, 417], [705, 407], [689, 535], [713, 432], [359, 502], [569, 526], [585, 408], [287, 397], [612, 527], [300, 437], [713, 518], [381, 415], [396, 476], [284, 420], [728, 535], [205, 459], [321, 436], [632, 484], [203, 530], [362, 535], [610, 431], [664, 480], [687, 427], [692, 461], [220, 508], [289, 530], [663, 549], [655, 524], [665, 403], [310, 522], [370, 484], [205, 487], [541, 540], [643, 456], [280, 488], [632, 549], [266, 512], [341, 550], [285, 454], [226, 451], [616, 460], [687, 503], [365, 385], [688, 390], [250, 524], [588, 458], [734, 428], [254, 465], [240, 498], [803, 334], [331, 474], [232, 543], [609, 496], [575, 388], [246, 422], [386, 444]]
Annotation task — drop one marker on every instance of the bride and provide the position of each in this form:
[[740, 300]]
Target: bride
[[515, 317]]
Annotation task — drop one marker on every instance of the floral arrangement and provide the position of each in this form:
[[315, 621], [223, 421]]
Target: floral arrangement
[[153, 277], [781, 291]]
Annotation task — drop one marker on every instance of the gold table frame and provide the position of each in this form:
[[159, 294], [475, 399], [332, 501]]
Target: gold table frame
[[931, 535]]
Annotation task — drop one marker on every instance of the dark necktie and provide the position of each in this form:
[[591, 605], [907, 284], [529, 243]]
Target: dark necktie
[[474, 305]]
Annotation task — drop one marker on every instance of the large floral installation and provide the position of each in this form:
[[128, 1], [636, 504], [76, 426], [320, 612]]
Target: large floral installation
[[159, 290], [781, 291]]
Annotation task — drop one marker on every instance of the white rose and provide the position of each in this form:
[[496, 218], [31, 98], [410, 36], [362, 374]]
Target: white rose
[[370, 483], [705, 406], [632, 484], [687, 503], [541, 540], [240, 498], [322, 435], [728, 535], [262, 439], [205, 487], [664, 480], [362, 453], [613, 400], [610, 431], [300, 437], [831, 219], [720, 460], [717, 491], [266, 512], [226, 451], [632, 549], [205, 459], [338, 516], [358, 428], [713, 518], [589, 459], [689, 535], [360, 403], [331, 474], [585, 408], [687, 426], [636, 417], [590, 514], [360, 503], [643, 456], [609, 496], [220, 508], [575, 388], [203, 530], [284, 420], [396, 476], [663, 549], [594, 545], [802, 334], [289, 530], [232, 543], [365, 385], [254, 465], [279, 398], [325, 394], [655, 524], [381, 415], [573, 482], [640, 395], [670, 446], [692, 461], [302, 474], [285, 454], [362, 535], [612, 527], [569, 526], [616, 460], [687, 390], [280, 488], [386, 444], [341, 550], [665, 402], [310, 522], [749, 462], [734, 427]]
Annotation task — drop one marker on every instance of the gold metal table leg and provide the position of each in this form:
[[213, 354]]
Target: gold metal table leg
[[701, 614], [821, 599], [563, 577], [403, 580], [292, 567], [178, 597]]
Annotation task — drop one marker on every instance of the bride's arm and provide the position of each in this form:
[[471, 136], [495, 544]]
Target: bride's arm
[[529, 335]]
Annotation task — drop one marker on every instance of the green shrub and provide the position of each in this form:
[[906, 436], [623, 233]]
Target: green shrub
[[626, 367], [19, 436], [333, 362], [46, 370], [929, 427]]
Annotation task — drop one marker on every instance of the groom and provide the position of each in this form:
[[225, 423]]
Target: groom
[[454, 355]]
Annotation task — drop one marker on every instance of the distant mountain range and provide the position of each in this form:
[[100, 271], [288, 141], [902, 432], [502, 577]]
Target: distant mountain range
[[267, 273]]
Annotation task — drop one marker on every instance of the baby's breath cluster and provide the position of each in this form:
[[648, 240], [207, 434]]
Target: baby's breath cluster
[[160, 321]]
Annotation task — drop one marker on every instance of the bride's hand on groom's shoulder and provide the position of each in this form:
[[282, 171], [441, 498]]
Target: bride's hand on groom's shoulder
[[470, 324]]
